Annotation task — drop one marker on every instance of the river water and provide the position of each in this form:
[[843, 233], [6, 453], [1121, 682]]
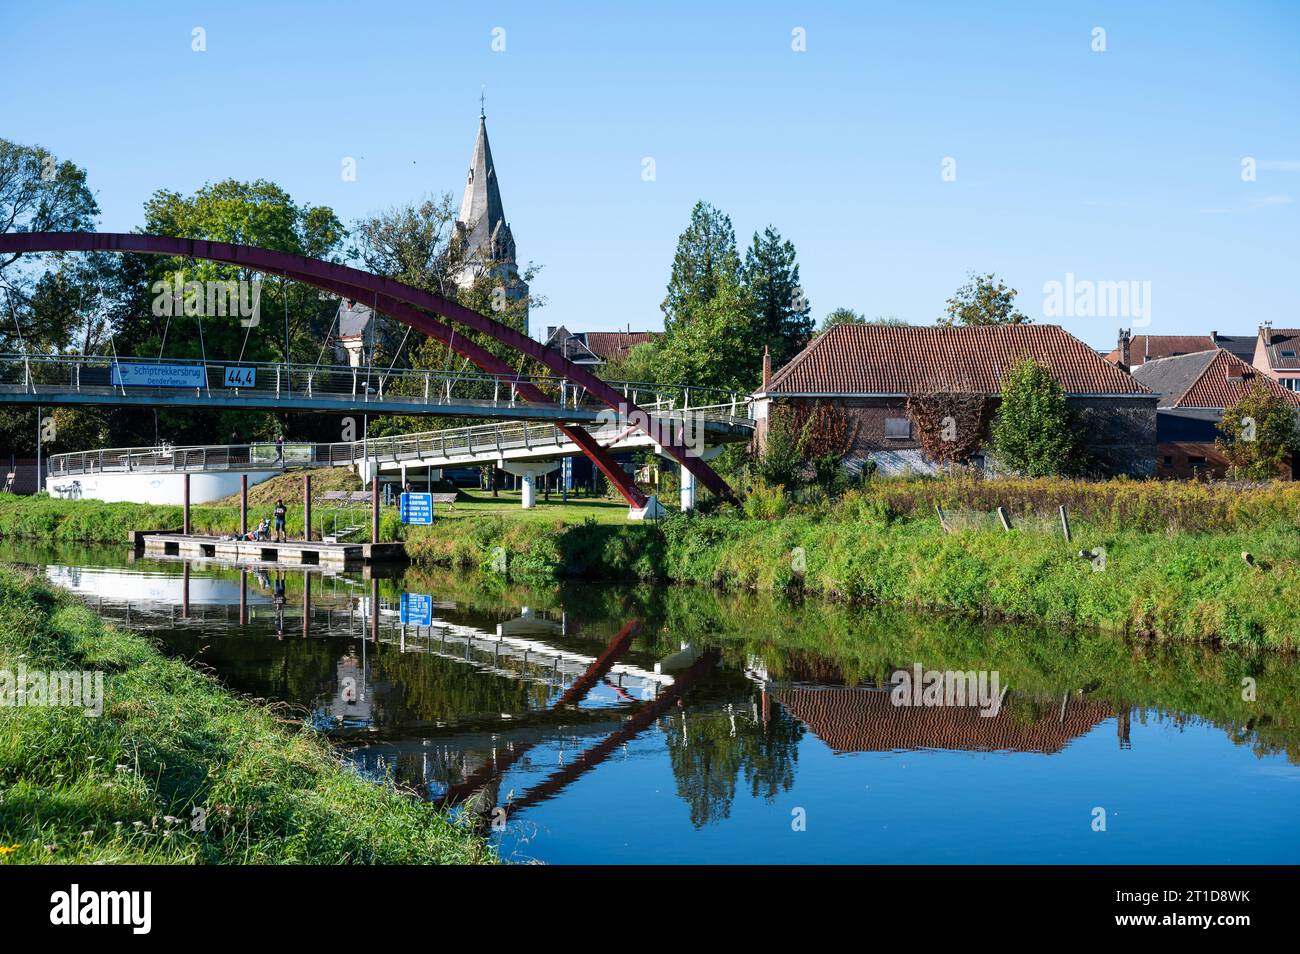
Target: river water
[[609, 724]]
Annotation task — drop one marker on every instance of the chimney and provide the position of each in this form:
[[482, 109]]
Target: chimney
[[1266, 332], [767, 368], [1214, 338], [1124, 338]]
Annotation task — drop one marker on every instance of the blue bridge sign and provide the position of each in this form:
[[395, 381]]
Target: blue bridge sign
[[417, 609], [416, 508]]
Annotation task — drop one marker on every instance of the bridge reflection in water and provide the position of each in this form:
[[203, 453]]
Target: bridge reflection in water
[[601, 723], [448, 728]]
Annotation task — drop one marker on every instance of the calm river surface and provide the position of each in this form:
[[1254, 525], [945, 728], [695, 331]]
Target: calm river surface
[[608, 724]]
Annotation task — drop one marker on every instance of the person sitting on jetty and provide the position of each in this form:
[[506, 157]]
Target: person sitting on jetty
[[281, 511], [263, 531]]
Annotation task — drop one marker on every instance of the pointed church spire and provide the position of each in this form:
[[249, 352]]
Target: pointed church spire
[[489, 244], [482, 217]]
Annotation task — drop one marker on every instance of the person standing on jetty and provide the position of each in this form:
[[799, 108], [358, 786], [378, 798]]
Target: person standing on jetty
[[280, 512]]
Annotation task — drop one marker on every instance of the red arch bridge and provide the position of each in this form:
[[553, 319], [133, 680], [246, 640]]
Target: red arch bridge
[[571, 398]]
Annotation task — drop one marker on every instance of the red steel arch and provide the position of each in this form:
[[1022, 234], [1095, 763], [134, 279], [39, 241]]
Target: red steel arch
[[396, 299]]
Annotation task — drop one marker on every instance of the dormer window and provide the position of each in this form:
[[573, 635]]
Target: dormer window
[[1287, 354]]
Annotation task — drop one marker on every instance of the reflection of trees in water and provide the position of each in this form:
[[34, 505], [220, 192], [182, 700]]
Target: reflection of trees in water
[[428, 688], [712, 749]]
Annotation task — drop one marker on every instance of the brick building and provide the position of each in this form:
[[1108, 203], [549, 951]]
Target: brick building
[[871, 370], [1193, 391]]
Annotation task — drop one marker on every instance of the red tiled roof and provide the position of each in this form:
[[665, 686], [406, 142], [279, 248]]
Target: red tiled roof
[[884, 359], [1283, 339], [1149, 347], [616, 344], [866, 720], [1225, 381]]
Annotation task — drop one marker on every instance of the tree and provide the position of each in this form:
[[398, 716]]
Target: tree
[[39, 194], [706, 259], [420, 245], [714, 347], [847, 316], [637, 365], [983, 300], [841, 316], [782, 320], [1035, 432], [1259, 434], [710, 339], [256, 213]]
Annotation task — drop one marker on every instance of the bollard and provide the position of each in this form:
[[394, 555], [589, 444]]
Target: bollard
[[1065, 523], [1006, 521]]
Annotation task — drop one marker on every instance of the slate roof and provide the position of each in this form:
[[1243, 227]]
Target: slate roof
[[482, 217], [888, 360], [353, 319], [1210, 379]]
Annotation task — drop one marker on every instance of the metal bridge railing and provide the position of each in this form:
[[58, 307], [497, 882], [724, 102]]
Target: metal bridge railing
[[107, 376], [449, 443]]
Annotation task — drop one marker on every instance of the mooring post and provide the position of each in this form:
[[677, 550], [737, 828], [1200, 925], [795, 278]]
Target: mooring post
[[942, 522], [374, 508], [1065, 523], [306, 507], [1006, 522], [306, 602], [186, 505], [243, 506]]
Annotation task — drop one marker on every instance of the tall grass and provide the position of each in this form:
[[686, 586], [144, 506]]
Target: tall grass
[[1182, 586], [123, 788]]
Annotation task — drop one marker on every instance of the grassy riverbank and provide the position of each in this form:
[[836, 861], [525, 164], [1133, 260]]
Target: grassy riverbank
[[123, 787], [1169, 555], [1171, 585]]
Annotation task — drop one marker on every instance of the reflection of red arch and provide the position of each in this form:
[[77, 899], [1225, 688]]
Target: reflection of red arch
[[395, 299]]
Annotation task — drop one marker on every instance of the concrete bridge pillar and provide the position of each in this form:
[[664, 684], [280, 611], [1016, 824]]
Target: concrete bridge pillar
[[688, 479], [688, 490], [528, 472]]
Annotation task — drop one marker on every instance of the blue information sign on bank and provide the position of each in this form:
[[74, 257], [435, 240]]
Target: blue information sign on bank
[[416, 508], [417, 609]]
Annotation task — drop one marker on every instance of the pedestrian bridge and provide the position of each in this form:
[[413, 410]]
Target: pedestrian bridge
[[525, 448], [96, 380]]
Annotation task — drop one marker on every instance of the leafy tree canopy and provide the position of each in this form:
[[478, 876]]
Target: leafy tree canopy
[[1259, 434], [1035, 432], [983, 300]]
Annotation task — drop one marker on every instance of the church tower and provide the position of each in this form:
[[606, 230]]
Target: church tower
[[482, 223]]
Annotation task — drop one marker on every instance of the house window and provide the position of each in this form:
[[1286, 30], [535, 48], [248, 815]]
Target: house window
[[1292, 384], [898, 428], [1196, 460], [1288, 354], [1169, 460]]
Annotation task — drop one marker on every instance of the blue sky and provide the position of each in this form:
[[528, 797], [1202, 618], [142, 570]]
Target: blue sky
[[1122, 165]]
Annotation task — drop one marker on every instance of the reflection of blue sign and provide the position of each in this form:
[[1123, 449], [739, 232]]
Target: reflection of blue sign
[[132, 374], [417, 609], [416, 508]]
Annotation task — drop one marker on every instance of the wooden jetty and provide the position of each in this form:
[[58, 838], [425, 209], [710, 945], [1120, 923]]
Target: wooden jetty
[[291, 552]]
